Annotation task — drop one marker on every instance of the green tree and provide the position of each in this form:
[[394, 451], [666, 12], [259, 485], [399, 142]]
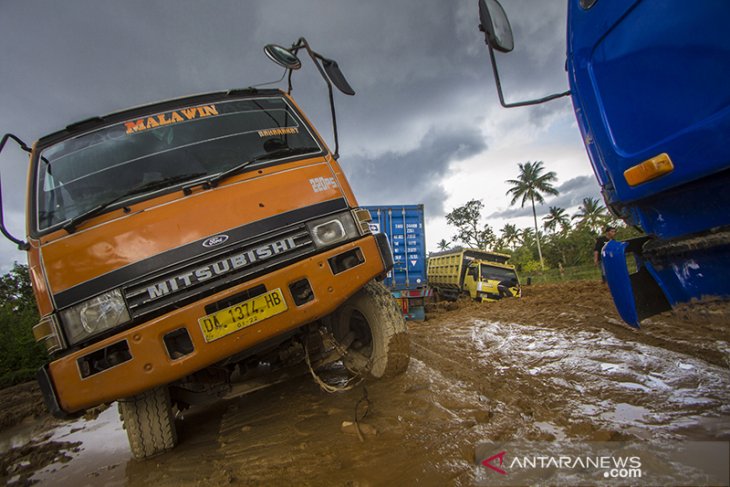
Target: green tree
[[20, 355], [15, 288], [443, 244], [501, 247], [527, 237], [510, 235], [556, 217], [571, 248], [531, 184], [470, 232], [592, 214]]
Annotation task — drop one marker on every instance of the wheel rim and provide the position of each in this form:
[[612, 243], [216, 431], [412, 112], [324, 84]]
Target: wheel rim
[[360, 328]]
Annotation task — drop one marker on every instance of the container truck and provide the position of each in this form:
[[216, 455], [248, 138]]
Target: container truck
[[483, 276], [180, 248], [403, 227], [649, 86]]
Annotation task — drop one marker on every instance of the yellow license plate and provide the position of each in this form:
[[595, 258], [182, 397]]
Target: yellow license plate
[[233, 318]]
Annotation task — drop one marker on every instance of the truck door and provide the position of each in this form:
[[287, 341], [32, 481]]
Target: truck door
[[471, 279]]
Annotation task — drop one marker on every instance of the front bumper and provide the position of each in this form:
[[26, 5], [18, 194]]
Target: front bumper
[[150, 364]]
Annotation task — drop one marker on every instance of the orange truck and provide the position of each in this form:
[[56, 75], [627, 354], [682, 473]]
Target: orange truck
[[178, 248]]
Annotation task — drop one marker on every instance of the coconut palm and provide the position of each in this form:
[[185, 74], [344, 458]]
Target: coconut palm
[[532, 183], [592, 214], [556, 217], [527, 235], [510, 235], [443, 244]]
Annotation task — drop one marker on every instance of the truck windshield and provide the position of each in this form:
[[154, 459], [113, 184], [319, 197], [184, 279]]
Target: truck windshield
[[141, 156], [500, 274]]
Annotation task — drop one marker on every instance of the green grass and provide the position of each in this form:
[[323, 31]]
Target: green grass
[[583, 272]]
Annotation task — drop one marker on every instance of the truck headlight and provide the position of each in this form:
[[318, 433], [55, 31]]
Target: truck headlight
[[94, 316], [331, 230]]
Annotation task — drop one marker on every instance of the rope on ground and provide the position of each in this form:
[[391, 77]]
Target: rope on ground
[[349, 384], [366, 401]]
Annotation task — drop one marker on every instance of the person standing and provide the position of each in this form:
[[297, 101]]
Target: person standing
[[608, 234]]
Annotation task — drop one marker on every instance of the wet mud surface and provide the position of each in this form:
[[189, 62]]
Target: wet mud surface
[[556, 365]]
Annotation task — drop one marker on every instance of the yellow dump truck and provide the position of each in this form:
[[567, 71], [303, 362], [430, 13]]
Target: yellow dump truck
[[484, 276]]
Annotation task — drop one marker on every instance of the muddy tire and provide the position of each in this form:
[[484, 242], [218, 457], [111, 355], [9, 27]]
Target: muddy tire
[[373, 326], [150, 423]]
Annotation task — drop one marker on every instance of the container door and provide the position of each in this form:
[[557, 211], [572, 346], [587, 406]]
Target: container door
[[403, 225]]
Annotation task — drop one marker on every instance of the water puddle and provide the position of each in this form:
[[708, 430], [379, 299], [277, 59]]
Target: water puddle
[[100, 459]]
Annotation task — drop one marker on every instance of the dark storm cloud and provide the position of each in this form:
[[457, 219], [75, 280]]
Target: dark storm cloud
[[414, 176], [571, 194], [415, 64]]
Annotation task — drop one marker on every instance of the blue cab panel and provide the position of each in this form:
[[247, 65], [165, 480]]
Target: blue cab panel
[[651, 77], [404, 227], [647, 78]]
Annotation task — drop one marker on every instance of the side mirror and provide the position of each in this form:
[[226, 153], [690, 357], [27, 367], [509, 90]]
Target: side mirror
[[22, 245], [498, 36], [495, 25], [336, 77], [328, 69], [282, 56]]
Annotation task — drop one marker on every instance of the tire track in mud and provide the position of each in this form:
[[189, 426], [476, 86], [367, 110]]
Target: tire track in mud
[[293, 432], [583, 383], [529, 369], [511, 399], [472, 381]]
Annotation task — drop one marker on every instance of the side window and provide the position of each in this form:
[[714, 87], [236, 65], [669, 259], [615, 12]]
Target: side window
[[473, 272]]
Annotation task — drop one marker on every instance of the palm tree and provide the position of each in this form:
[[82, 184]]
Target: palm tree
[[531, 184], [556, 216], [510, 235], [443, 244], [591, 214], [527, 235]]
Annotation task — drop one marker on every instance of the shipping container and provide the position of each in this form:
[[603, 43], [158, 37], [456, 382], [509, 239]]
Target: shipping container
[[403, 225]]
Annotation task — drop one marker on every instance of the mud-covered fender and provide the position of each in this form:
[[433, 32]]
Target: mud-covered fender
[[638, 295]]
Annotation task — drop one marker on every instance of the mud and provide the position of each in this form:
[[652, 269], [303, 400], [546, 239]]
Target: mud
[[557, 364]]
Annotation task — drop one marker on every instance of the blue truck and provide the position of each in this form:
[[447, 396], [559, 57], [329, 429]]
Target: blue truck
[[650, 86], [404, 227]]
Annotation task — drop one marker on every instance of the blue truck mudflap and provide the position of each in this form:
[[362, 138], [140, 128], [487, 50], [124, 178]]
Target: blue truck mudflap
[[681, 271], [636, 295], [403, 225]]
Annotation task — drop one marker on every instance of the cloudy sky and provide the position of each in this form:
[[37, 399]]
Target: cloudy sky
[[425, 125]]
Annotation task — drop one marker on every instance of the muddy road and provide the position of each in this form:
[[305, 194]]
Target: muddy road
[[557, 364]]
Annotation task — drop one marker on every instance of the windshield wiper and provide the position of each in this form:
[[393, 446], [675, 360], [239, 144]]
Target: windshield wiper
[[283, 152], [70, 226]]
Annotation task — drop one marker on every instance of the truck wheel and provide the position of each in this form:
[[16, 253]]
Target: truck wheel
[[372, 327], [149, 422]]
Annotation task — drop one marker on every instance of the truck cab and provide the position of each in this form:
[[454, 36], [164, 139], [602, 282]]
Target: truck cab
[[179, 247], [490, 281]]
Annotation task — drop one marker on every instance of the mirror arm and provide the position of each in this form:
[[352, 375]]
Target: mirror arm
[[519, 103], [22, 245], [16, 139], [316, 58], [289, 80], [336, 155]]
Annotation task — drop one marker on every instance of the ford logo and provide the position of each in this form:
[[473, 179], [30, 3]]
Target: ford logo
[[213, 241]]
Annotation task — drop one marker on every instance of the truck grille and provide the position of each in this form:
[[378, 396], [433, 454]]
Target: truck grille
[[204, 276]]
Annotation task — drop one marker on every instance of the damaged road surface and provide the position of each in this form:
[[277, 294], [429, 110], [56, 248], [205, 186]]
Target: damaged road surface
[[532, 369]]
